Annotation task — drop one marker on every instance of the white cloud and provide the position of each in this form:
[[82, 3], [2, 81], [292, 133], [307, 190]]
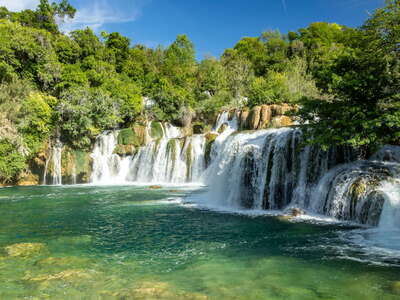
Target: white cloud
[[92, 13], [97, 13], [17, 5]]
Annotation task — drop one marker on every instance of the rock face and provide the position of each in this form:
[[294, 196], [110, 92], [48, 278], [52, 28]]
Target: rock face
[[253, 120], [76, 166], [265, 116], [281, 121], [28, 179]]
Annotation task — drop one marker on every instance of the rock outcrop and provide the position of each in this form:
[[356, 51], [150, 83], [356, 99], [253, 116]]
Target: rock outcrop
[[265, 116]]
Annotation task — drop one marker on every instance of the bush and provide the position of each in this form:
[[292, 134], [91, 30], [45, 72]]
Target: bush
[[12, 162]]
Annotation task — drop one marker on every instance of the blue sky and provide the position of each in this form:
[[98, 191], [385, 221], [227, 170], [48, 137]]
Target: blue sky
[[213, 25]]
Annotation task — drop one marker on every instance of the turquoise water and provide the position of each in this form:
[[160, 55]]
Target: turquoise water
[[127, 242]]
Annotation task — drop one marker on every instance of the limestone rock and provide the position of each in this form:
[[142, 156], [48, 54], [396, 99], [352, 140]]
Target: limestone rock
[[281, 121], [28, 179], [254, 118], [265, 116], [124, 150], [25, 249], [296, 212]]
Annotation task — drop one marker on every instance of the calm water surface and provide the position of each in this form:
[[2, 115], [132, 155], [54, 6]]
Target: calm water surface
[[129, 242]]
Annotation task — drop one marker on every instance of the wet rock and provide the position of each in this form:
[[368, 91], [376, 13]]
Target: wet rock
[[124, 150], [25, 249], [281, 121], [155, 187], [198, 128], [222, 128], [265, 117], [296, 212], [284, 218]]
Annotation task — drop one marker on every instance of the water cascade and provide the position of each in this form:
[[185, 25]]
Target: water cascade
[[267, 169], [170, 159], [258, 170], [106, 164]]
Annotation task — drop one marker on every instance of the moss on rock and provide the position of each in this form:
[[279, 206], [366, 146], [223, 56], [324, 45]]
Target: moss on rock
[[156, 131]]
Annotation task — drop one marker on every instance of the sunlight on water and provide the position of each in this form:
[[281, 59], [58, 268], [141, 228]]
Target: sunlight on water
[[131, 242]]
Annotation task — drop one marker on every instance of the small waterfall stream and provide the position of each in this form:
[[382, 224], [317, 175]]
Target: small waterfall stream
[[54, 162], [170, 159]]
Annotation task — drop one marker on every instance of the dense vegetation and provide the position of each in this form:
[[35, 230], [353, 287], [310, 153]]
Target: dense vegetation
[[345, 80]]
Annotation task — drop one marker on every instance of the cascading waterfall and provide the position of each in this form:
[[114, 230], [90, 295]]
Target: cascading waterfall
[[267, 169], [170, 159], [106, 164], [259, 170]]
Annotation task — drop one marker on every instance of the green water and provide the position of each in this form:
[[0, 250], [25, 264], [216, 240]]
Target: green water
[[134, 243]]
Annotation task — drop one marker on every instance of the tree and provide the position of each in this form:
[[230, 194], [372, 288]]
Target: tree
[[210, 77], [365, 82]]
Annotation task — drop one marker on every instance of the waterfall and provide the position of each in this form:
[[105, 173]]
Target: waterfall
[[267, 169], [170, 159], [260, 170], [106, 164], [390, 219], [55, 161], [57, 151]]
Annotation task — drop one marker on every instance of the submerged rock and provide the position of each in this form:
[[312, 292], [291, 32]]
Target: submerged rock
[[25, 249], [395, 288], [155, 187], [156, 290], [67, 275], [62, 261]]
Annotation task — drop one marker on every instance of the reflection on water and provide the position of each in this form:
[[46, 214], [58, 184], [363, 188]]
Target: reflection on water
[[127, 242]]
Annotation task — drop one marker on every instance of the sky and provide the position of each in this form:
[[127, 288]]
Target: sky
[[212, 25]]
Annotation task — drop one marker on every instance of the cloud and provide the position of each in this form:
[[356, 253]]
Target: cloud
[[17, 5], [97, 13], [91, 13]]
